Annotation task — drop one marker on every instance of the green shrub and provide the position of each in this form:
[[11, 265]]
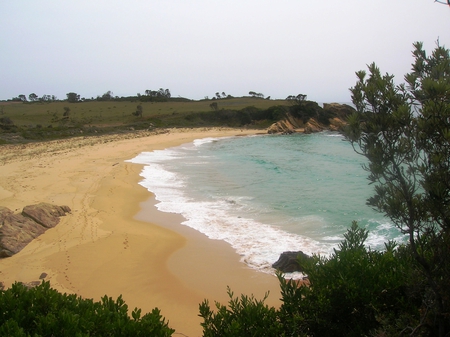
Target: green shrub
[[245, 316], [306, 110], [353, 292], [43, 311]]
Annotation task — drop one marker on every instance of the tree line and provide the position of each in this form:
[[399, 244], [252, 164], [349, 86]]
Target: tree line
[[35, 98], [160, 95], [73, 97]]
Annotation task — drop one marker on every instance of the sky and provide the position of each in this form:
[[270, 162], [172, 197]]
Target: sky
[[196, 48]]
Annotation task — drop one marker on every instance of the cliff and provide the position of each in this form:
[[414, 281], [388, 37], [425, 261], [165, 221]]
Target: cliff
[[309, 117]]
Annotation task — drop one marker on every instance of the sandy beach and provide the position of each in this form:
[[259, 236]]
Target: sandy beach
[[115, 242]]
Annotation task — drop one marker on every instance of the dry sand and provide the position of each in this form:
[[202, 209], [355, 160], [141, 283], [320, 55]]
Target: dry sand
[[115, 242]]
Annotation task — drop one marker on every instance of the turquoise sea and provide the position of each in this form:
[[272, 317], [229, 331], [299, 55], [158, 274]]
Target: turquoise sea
[[267, 194]]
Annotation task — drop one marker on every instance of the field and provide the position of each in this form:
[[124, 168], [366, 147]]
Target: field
[[38, 121]]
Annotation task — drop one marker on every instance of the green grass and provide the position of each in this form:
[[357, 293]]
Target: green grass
[[115, 113], [41, 121]]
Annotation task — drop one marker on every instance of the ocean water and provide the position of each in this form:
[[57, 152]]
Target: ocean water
[[267, 194]]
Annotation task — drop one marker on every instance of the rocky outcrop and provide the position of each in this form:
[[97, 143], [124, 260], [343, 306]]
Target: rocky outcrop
[[45, 214], [288, 262], [288, 125], [310, 117], [314, 126], [17, 230]]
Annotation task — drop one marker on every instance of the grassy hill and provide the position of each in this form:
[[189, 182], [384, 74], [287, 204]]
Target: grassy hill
[[20, 122]]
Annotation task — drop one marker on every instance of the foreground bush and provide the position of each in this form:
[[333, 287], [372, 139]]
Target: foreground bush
[[244, 316], [353, 292], [43, 311]]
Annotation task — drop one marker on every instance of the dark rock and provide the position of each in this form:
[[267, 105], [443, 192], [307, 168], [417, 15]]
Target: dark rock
[[31, 284], [43, 275], [4, 212], [288, 262], [17, 230], [45, 214]]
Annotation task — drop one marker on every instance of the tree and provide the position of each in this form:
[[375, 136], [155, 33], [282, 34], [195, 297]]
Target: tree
[[214, 106], [296, 99], [404, 132], [158, 95], [22, 97], [66, 113], [33, 97], [46, 98], [73, 97], [138, 112], [107, 96], [162, 93], [256, 94]]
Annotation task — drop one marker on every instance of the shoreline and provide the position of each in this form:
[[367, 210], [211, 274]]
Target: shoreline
[[116, 242]]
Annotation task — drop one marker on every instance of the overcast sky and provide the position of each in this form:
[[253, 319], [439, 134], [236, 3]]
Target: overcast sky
[[196, 48]]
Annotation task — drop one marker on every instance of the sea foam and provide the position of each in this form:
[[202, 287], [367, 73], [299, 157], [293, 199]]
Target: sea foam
[[230, 194]]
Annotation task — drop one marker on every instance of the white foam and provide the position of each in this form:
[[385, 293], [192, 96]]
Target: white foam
[[380, 235], [199, 142], [222, 216], [154, 157], [334, 134], [258, 244]]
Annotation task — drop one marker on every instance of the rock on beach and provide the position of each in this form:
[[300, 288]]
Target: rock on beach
[[17, 230]]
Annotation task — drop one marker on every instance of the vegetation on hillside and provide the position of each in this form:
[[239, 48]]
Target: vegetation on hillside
[[25, 121], [44, 120]]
